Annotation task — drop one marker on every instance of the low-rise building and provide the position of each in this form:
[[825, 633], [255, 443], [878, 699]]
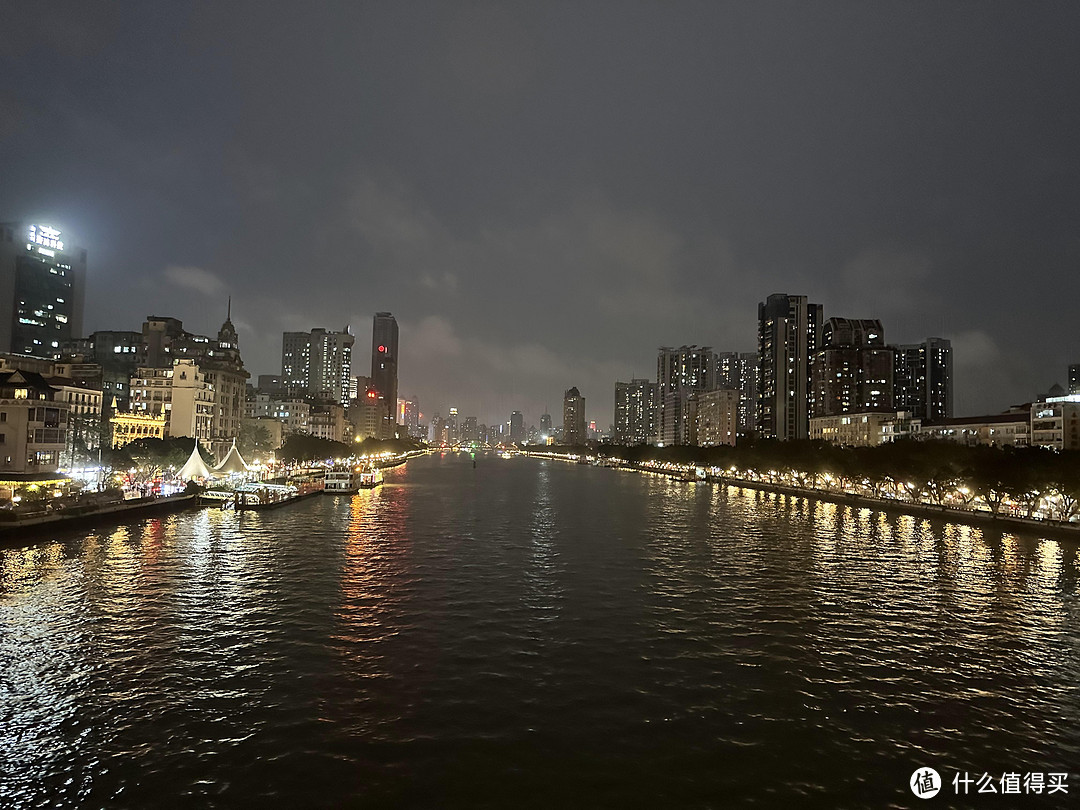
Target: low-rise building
[[863, 429], [293, 413], [128, 427], [327, 421], [1011, 429], [33, 424], [1055, 423]]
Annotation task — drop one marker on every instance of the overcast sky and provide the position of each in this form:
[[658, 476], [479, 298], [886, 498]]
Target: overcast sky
[[544, 193]]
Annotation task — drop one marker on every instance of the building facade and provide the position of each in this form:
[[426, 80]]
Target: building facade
[[33, 424], [318, 364], [42, 289], [128, 426], [680, 374], [923, 379], [852, 370], [635, 412], [574, 432], [384, 364], [855, 429], [716, 419], [788, 328], [1055, 423], [180, 392], [739, 370]]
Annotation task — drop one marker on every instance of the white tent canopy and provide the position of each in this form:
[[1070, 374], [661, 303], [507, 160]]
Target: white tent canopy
[[233, 462], [195, 467]]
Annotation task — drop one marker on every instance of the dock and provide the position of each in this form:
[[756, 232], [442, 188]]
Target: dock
[[17, 527]]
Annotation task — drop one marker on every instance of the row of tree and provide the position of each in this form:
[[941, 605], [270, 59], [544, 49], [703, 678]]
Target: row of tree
[[154, 456], [924, 471]]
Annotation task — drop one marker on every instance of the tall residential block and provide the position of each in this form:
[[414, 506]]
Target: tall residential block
[[42, 289], [680, 374], [788, 328], [923, 379], [517, 426], [635, 412], [384, 364], [852, 370], [574, 431], [318, 364], [739, 371]]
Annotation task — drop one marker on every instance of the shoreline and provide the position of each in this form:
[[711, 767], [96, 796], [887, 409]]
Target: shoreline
[[12, 532], [1019, 525]]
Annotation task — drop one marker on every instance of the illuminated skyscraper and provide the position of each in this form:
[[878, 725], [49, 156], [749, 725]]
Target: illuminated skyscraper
[[787, 338], [318, 364], [635, 412], [852, 370], [923, 379], [574, 418], [681, 373], [384, 364], [739, 371], [42, 288]]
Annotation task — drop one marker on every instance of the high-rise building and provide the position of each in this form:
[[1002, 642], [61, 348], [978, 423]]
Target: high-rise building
[[787, 338], [410, 418], [635, 412], [42, 289], [384, 362], [438, 430], [852, 370], [547, 430], [739, 371], [1074, 378], [470, 429], [681, 373], [574, 417], [517, 426], [453, 429], [923, 379], [318, 364]]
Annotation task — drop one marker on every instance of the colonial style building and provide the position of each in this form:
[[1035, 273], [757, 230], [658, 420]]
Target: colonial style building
[[128, 427], [182, 393]]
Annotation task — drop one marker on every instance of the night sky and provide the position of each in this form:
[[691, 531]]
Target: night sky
[[545, 193]]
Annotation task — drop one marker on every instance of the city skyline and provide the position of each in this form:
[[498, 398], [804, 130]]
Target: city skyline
[[890, 162]]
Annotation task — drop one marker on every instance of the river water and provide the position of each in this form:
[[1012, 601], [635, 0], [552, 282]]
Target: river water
[[531, 633]]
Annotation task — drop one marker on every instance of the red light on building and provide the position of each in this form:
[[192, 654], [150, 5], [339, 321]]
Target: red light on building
[[382, 350]]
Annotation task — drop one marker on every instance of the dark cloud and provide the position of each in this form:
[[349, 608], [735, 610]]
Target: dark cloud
[[545, 193]]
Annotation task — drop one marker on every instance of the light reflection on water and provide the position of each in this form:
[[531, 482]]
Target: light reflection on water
[[531, 633]]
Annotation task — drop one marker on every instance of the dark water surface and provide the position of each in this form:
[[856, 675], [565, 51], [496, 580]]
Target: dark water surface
[[533, 634]]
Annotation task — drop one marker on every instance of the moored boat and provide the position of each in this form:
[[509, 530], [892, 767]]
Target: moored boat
[[341, 482], [369, 478]]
